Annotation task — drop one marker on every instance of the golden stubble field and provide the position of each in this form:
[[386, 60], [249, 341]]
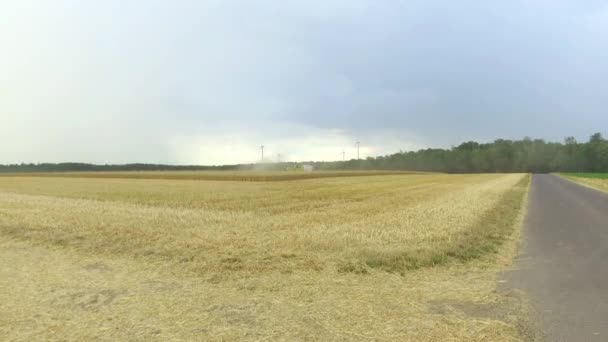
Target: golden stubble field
[[390, 257]]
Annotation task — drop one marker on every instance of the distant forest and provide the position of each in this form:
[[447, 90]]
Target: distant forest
[[527, 155], [83, 167]]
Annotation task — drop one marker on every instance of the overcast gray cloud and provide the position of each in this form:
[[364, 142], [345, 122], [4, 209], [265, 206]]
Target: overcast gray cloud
[[209, 81]]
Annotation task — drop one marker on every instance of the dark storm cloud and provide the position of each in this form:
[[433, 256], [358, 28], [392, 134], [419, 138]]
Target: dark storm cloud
[[454, 70]]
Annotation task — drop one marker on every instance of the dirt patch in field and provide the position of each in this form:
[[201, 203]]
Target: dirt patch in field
[[513, 309], [93, 299]]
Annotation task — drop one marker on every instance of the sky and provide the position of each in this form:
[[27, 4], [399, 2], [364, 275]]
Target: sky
[[209, 82]]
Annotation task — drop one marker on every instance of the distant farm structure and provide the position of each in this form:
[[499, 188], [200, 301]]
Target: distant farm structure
[[299, 167]]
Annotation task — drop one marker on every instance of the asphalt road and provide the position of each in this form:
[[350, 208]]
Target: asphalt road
[[563, 266]]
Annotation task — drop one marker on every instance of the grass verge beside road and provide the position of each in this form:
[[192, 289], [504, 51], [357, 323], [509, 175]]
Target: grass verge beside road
[[597, 181]]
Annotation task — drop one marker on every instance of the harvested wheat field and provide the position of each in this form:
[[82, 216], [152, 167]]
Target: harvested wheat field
[[243, 176], [382, 257]]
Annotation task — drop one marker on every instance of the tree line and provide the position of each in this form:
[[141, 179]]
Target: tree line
[[526, 155], [85, 167]]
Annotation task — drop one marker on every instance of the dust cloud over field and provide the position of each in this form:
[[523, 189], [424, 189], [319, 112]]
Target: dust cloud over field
[[407, 257]]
